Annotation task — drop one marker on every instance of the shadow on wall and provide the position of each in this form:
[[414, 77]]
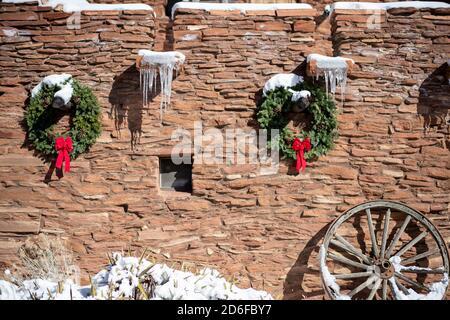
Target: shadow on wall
[[294, 287], [126, 103], [434, 100]]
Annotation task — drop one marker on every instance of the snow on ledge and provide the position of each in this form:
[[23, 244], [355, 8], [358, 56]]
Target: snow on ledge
[[390, 5], [84, 5], [243, 7]]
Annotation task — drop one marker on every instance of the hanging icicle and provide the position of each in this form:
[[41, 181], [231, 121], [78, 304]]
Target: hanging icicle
[[163, 63], [333, 69]]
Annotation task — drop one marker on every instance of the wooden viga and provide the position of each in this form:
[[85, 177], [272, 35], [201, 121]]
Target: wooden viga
[[139, 65]]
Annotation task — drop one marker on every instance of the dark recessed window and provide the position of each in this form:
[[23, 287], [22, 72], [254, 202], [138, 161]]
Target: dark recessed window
[[176, 177]]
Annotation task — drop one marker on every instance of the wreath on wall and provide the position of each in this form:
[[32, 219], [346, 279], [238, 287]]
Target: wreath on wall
[[316, 139], [44, 110]]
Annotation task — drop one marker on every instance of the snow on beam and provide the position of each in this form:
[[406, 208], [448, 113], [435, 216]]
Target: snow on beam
[[316, 62], [146, 58], [333, 69], [84, 5], [242, 7], [150, 64]]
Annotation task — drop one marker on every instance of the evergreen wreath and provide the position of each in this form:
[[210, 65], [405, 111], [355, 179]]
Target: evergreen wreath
[[85, 123], [273, 113]]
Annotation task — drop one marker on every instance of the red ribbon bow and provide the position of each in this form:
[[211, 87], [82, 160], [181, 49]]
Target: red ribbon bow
[[300, 147], [63, 147]]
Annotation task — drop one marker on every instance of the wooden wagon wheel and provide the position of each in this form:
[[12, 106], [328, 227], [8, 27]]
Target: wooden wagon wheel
[[384, 250]]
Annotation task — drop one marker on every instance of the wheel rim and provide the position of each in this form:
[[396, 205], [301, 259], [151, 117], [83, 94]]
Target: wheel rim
[[408, 261]]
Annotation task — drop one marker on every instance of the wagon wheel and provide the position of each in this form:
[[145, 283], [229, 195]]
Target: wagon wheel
[[384, 250]]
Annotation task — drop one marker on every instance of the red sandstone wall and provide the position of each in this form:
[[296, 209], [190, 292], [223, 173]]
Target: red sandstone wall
[[37, 43], [264, 230], [396, 114]]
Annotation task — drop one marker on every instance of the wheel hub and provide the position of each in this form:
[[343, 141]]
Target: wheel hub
[[384, 268]]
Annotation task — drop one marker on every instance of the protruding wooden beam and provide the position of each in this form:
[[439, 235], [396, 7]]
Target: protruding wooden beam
[[312, 70], [138, 62]]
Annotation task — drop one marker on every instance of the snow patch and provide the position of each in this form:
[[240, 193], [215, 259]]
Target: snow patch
[[282, 80], [63, 81], [297, 95], [163, 63], [65, 93], [122, 279], [84, 5], [243, 7], [328, 279], [437, 289], [389, 5]]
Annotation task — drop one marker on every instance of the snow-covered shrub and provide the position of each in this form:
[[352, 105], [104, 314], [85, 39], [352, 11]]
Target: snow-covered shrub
[[135, 278]]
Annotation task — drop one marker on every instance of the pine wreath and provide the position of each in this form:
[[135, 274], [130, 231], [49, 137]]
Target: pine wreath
[[41, 117], [273, 113]]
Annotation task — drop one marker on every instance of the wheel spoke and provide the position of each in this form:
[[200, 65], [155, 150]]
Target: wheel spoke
[[384, 289], [372, 233], [424, 271], [397, 236], [411, 243], [391, 286], [385, 232], [402, 287], [348, 261], [420, 256], [361, 287], [353, 275], [374, 289], [411, 282], [344, 244]]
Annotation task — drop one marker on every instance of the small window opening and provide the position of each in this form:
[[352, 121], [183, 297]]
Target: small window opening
[[175, 177]]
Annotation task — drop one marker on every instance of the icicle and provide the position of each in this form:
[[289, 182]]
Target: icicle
[[333, 77], [333, 69], [343, 84], [163, 63]]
